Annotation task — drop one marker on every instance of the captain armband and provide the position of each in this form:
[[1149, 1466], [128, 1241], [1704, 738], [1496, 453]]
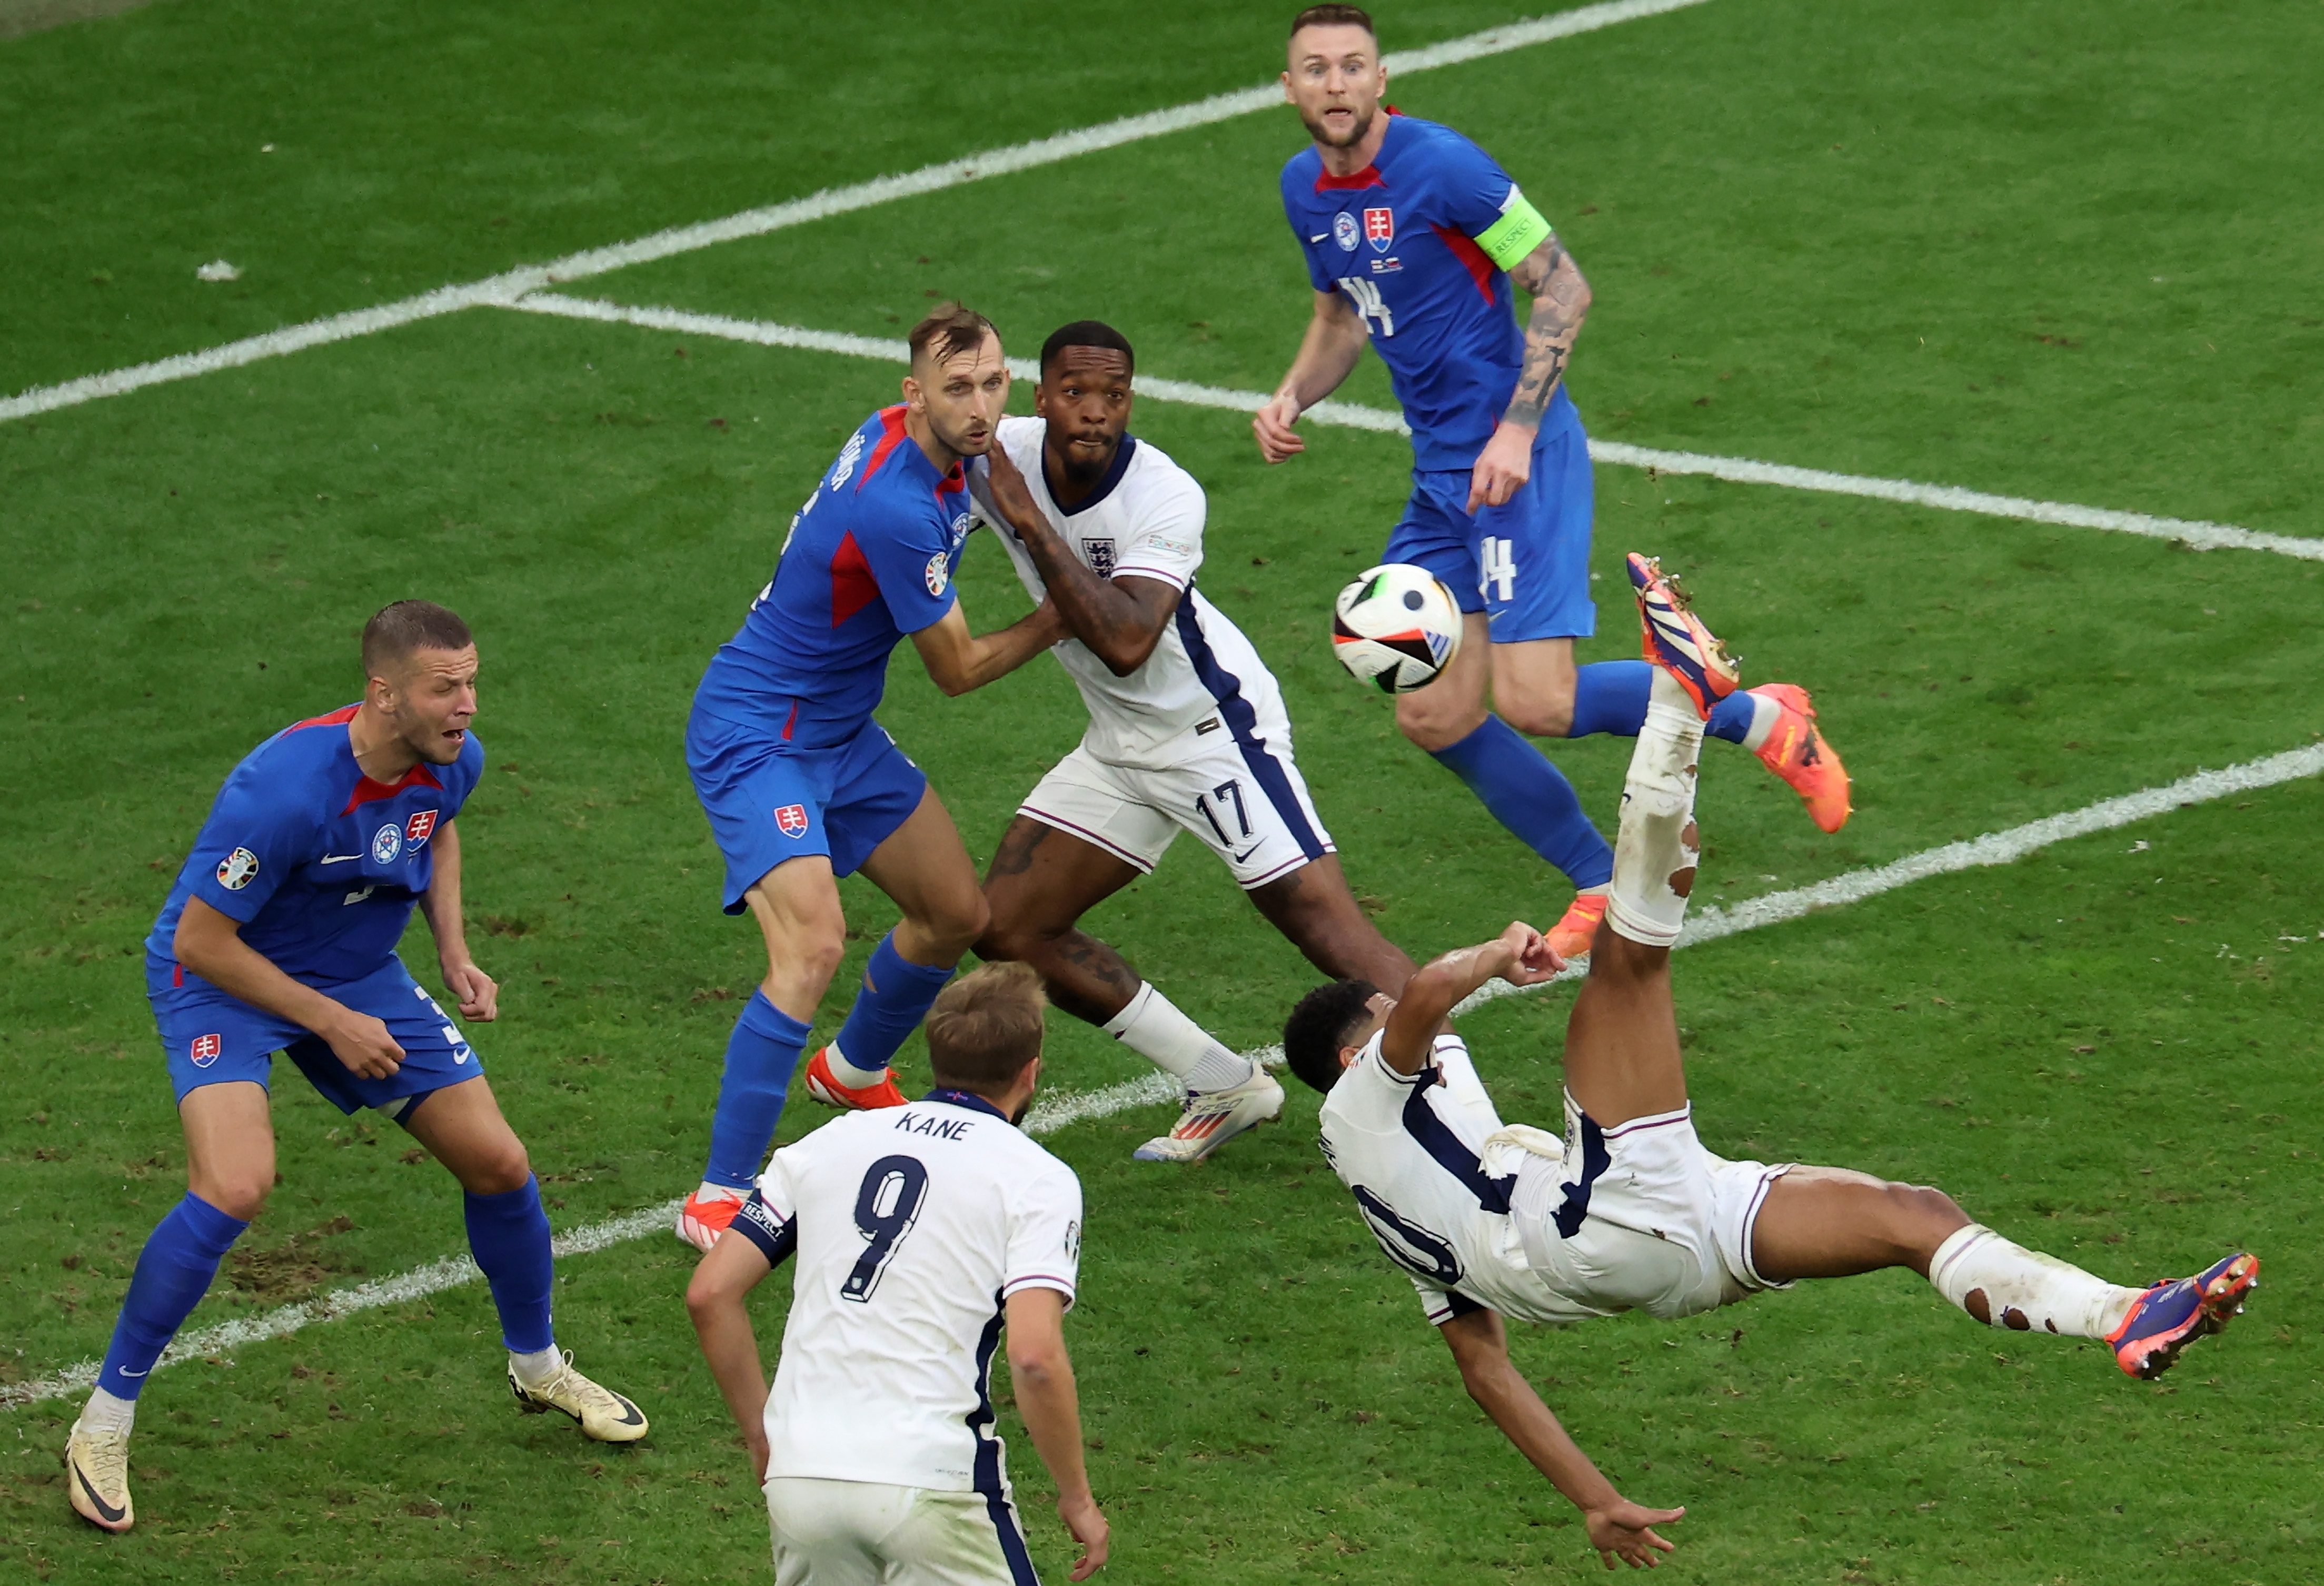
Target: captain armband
[[1518, 232]]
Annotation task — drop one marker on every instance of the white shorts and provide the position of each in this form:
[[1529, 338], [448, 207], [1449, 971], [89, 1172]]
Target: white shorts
[[1240, 793], [868, 1534], [1641, 1217]]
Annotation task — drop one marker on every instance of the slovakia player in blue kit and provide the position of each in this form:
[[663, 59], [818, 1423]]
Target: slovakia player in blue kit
[[802, 786], [1412, 236], [280, 937]]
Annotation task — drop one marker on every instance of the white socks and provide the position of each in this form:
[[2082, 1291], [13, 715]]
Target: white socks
[[2024, 1290], [539, 1367], [106, 1412], [1154, 1028], [1656, 851], [847, 1074], [1765, 713]]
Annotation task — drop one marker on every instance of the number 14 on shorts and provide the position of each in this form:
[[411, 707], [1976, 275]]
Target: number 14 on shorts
[[1497, 569]]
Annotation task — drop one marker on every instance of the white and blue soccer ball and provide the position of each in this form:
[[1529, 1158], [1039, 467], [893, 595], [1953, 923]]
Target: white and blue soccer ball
[[1395, 627]]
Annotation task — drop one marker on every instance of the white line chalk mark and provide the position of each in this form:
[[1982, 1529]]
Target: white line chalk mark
[[1064, 1109]]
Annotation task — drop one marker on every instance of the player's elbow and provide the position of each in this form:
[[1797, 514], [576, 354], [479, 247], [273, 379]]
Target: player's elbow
[[1039, 1365]]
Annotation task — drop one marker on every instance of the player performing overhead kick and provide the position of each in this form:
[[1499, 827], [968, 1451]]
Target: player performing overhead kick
[[802, 786], [279, 935], [1187, 729], [1412, 234], [1630, 1211]]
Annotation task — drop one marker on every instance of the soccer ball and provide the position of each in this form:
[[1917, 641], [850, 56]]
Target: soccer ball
[[1395, 626]]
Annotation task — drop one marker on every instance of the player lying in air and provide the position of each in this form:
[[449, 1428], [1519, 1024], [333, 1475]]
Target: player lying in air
[[922, 1233], [803, 787], [1186, 730], [1630, 1211], [279, 935], [1413, 236]]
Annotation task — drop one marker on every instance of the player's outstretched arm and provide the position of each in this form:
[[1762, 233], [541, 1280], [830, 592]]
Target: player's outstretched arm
[[1618, 1528], [1120, 620], [1328, 352], [1043, 1376], [210, 944], [1560, 301], [732, 1269], [959, 660], [477, 993], [1519, 955]]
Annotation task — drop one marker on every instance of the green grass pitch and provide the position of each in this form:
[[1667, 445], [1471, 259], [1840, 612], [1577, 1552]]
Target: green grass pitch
[[2057, 251]]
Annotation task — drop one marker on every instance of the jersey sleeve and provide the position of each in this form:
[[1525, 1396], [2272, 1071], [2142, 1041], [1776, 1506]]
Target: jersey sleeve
[[911, 561], [1044, 1235], [1167, 543], [1485, 205], [1441, 1305], [250, 846]]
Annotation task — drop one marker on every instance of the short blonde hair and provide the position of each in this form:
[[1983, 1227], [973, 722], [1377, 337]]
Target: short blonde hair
[[985, 1027]]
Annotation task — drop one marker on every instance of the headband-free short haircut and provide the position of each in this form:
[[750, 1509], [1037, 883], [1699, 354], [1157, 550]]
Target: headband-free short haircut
[[985, 1027], [1320, 1025], [1334, 16], [1085, 333], [947, 332], [396, 630]]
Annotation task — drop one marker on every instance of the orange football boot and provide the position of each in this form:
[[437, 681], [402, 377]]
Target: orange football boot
[[1577, 928], [824, 1088], [1800, 754]]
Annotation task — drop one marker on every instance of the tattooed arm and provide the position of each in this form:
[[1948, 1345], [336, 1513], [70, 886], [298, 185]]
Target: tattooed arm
[[1560, 301]]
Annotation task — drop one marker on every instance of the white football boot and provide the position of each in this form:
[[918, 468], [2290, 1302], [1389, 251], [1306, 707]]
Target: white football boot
[[603, 1414], [97, 1467], [1212, 1118]]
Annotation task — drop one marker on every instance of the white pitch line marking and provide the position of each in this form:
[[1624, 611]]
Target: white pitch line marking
[[1351, 415], [821, 206], [1068, 1107]]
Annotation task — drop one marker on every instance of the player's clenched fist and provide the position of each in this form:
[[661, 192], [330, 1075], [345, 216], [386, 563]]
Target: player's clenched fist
[[1532, 960], [1273, 426], [364, 1045], [478, 994]]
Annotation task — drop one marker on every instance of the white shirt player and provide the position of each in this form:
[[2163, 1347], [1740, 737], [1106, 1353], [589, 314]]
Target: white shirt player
[[1414, 1153], [913, 1226], [1146, 520]]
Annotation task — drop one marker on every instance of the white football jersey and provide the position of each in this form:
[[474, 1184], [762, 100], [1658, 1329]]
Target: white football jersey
[[1411, 1149], [913, 1225], [1144, 520]]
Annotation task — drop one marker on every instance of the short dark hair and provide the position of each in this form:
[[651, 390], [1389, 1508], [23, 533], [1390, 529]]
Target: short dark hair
[[948, 331], [985, 1027], [1085, 333], [396, 630], [1334, 16], [1318, 1028]]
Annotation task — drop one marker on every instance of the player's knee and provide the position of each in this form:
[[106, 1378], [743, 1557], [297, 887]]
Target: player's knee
[[960, 921], [507, 1168], [1437, 723], [241, 1196], [1919, 1218], [1538, 715]]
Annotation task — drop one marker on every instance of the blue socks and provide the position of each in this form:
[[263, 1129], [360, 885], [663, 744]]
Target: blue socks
[[1532, 799], [174, 1270], [508, 1233], [759, 1057], [1610, 697], [895, 998]]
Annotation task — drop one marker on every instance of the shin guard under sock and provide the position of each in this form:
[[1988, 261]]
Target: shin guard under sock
[[174, 1270], [759, 1057], [508, 1233], [1532, 799], [894, 998]]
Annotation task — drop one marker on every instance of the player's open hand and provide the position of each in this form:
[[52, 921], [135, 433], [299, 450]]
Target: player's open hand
[[1502, 467], [1625, 1531], [1531, 958], [1087, 1524], [364, 1045], [1273, 426], [478, 994], [1011, 497]]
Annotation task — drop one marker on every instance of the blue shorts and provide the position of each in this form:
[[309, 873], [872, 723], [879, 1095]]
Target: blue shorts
[[769, 801], [1525, 563], [211, 1037]]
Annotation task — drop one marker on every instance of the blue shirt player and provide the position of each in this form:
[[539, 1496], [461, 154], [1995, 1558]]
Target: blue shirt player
[[1412, 235], [279, 935], [803, 787]]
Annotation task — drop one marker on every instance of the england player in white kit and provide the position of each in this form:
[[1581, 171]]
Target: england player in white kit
[[923, 1233], [1630, 1211], [1187, 732]]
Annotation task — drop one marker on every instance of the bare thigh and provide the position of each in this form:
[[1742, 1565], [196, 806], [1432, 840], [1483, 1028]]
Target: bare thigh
[[923, 866]]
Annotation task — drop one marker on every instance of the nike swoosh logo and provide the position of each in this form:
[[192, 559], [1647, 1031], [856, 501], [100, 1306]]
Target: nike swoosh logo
[[629, 1416], [338, 858], [1317, 237], [1246, 854], [102, 1507], [126, 1372]]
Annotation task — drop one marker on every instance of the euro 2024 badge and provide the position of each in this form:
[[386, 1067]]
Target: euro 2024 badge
[[939, 574], [238, 870]]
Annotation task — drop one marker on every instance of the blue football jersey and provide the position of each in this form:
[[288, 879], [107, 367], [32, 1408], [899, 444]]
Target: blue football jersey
[[869, 558], [1420, 240], [319, 863]]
